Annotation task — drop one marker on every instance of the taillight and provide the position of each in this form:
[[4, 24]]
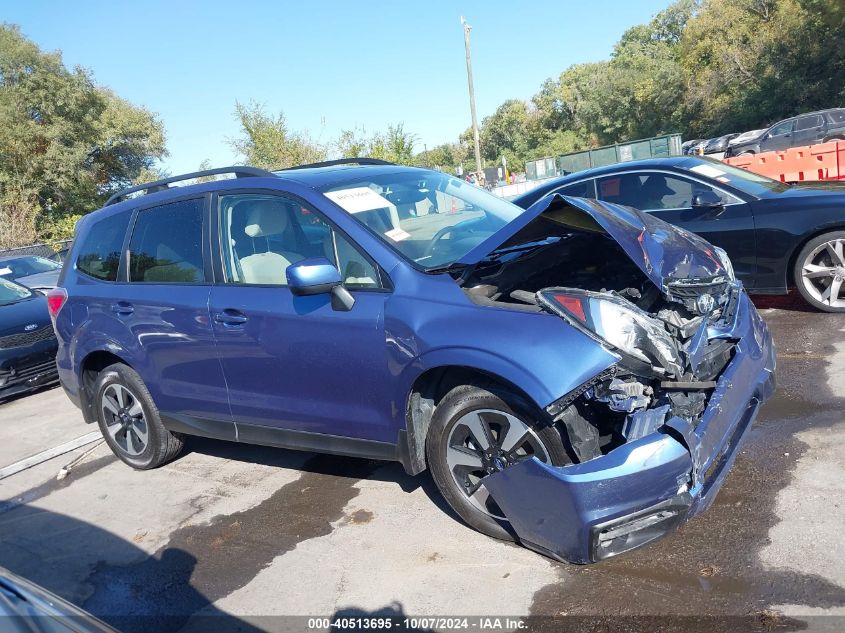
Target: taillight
[[56, 298]]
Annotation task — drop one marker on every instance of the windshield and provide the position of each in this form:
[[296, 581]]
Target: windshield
[[12, 293], [430, 218], [742, 179], [23, 266]]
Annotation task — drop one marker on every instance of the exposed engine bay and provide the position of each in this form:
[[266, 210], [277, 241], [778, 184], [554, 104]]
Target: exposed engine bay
[[666, 334]]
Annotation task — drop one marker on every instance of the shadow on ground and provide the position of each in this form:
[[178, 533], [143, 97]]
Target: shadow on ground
[[143, 593]]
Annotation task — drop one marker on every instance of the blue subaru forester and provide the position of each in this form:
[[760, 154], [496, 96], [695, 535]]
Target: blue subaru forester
[[577, 376]]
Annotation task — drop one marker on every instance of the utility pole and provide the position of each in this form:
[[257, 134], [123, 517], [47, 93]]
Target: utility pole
[[467, 29]]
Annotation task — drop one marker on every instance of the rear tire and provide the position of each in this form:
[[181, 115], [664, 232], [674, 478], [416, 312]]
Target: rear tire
[[502, 416], [820, 272], [129, 419]]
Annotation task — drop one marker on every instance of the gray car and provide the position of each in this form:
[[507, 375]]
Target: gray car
[[798, 131], [32, 271]]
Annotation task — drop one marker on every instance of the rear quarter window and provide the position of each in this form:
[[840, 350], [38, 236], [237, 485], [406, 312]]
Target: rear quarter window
[[584, 189], [99, 253], [837, 116]]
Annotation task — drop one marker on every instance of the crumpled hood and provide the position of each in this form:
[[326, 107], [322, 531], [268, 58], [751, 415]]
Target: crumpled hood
[[663, 252]]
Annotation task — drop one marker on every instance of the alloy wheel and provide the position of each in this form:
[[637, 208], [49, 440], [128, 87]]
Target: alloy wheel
[[124, 418], [486, 441], [823, 273]]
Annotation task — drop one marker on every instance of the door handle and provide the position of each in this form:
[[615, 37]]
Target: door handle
[[122, 308], [230, 318]]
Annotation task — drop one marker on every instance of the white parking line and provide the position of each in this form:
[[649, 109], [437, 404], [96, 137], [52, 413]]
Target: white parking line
[[50, 453]]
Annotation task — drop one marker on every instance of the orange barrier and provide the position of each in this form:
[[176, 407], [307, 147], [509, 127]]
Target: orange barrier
[[825, 161]]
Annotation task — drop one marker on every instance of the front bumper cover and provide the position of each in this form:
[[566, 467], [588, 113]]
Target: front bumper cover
[[25, 370], [643, 489]]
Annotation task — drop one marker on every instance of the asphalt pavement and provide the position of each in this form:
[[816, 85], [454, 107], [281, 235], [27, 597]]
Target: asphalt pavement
[[235, 537]]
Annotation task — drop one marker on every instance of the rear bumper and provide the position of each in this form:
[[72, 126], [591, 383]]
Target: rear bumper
[[643, 489]]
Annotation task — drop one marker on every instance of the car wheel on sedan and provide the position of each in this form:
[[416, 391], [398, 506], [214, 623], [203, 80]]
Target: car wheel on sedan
[[129, 420], [477, 431], [820, 272]]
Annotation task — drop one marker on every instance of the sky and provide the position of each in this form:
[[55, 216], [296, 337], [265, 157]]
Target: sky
[[328, 65]]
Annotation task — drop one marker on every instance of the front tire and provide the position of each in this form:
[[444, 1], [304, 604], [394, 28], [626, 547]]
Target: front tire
[[129, 420], [477, 430], [820, 272]]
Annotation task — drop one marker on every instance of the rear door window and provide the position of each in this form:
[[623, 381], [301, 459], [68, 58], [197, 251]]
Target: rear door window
[[99, 253], [808, 122], [166, 244], [619, 189]]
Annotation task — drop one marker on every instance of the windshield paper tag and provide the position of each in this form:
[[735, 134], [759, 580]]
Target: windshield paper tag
[[397, 235], [708, 170], [358, 199], [5, 270]]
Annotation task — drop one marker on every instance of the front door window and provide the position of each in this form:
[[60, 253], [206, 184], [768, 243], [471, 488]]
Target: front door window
[[264, 234]]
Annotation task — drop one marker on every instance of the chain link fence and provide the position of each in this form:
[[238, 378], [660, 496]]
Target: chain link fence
[[51, 251]]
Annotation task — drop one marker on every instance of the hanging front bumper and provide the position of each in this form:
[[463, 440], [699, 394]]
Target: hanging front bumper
[[644, 489]]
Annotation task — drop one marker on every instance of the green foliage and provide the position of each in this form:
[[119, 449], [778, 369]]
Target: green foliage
[[700, 67], [65, 143], [267, 142], [396, 145]]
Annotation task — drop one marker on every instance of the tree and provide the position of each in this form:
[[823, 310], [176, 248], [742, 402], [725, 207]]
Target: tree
[[353, 143], [267, 142], [203, 166], [396, 145], [65, 143]]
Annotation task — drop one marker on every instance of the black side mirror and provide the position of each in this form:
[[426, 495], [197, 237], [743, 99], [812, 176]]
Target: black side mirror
[[707, 199]]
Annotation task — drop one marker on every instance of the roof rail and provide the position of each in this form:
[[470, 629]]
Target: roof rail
[[240, 171], [342, 161]]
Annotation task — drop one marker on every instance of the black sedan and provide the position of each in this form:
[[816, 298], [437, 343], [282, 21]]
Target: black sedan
[[777, 235], [27, 341]]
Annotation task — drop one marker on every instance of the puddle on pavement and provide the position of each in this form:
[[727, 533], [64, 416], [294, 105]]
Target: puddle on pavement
[[711, 567], [203, 563]]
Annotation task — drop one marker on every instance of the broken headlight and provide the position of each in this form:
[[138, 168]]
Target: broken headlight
[[616, 322], [726, 262]]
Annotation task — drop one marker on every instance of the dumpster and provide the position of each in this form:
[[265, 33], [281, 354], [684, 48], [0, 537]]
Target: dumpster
[[666, 145]]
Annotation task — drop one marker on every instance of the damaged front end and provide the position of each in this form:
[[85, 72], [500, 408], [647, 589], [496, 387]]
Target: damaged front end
[[653, 436], [669, 363]]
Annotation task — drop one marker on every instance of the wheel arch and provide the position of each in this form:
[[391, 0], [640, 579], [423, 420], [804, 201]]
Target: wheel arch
[[426, 393], [793, 257], [92, 364]]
